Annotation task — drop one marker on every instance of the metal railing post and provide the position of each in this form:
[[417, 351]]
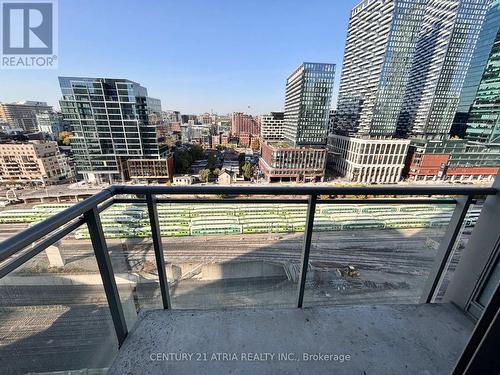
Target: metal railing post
[[106, 271], [311, 207], [158, 248], [445, 248]]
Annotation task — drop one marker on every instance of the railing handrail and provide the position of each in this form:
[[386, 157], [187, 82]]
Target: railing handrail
[[304, 190]]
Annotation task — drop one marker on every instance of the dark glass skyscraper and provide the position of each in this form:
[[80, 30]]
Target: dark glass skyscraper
[[109, 122], [481, 56], [478, 113], [307, 104]]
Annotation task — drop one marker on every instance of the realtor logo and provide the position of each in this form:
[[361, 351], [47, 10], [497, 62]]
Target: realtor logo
[[29, 34]]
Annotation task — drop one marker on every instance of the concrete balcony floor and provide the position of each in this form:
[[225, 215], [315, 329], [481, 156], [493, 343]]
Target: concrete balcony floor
[[379, 339]]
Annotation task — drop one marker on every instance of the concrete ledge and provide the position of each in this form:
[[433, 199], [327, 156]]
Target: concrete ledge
[[383, 339]]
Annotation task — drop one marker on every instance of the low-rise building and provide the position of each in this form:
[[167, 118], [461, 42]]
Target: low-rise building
[[282, 162], [368, 160], [451, 160], [226, 178], [182, 180], [151, 169], [199, 165], [33, 162]]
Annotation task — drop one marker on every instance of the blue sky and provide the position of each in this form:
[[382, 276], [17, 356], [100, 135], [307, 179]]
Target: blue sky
[[195, 55]]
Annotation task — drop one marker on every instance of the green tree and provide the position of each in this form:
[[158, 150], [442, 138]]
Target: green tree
[[211, 162], [196, 152], [247, 170], [216, 172], [204, 173]]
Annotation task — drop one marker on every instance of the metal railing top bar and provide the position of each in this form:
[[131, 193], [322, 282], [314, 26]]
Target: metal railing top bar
[[28, 236], [212, 201], [305, 190]]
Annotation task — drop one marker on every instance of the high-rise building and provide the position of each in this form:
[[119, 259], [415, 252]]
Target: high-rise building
[[483, 121], [244, 123], [378, 53], [22, 115], [299, 153], [307, 104], [485, 53], [404, 65], [50, 123], [109, 121], [446, 41], [36, 162], [271, 126]]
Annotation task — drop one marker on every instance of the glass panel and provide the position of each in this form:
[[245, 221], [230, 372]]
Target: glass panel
[[16, 218], [489, 287], [54, 314], [231, 255], [128, 236], [460, 244], [369, 254]]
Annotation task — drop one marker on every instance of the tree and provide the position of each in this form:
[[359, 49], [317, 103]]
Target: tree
[[247, 169], [204, 173], [216, 172], [211, 162], [64, 138], [196, 152]]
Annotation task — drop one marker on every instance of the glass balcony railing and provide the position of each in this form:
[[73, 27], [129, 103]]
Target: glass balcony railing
[[132, 248]]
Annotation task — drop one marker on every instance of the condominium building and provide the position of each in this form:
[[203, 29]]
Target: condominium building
[[244, 123], [307, 104], [380, 42], [22, 115], [271, 126], [38, 162], [50, 123], [476, 106], [404, 65], [445, 45], [297, 152], [483, 123], [282, 162], [109, 121], [368, 160]]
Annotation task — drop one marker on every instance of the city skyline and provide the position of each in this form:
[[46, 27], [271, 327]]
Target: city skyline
[[244, 72]]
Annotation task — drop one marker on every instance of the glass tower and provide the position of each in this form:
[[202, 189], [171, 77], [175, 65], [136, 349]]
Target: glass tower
[[109, 123], [443, 52], [307, 104], [404, 65], [378, 54], [481, 56], [483, 117]]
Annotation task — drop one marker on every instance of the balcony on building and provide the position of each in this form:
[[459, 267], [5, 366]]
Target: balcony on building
[[256, 279]]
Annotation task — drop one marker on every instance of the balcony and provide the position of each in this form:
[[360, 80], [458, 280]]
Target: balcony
[[362, 294]]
